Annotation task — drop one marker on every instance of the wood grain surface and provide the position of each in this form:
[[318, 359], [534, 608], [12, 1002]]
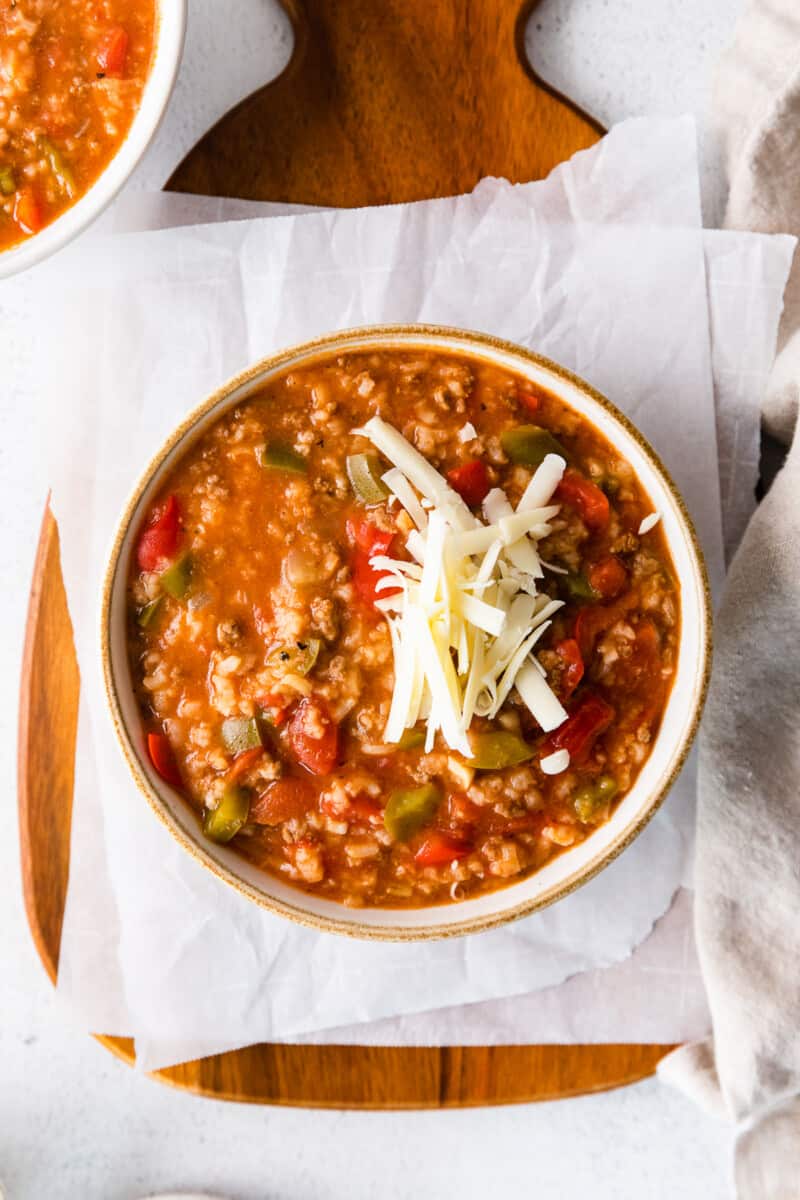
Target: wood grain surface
[[381, 102], [391, 100]]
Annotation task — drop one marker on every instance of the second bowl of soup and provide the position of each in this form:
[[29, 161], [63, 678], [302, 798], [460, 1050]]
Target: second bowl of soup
[[83, 86]]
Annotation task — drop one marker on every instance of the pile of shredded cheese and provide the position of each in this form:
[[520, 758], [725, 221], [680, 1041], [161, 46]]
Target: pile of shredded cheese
[[467, 614]]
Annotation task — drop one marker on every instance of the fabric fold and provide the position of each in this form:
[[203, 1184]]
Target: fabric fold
[[748, 827]]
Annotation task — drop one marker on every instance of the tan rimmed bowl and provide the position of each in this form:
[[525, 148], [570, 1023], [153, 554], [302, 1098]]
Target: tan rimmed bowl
[[563, 874]]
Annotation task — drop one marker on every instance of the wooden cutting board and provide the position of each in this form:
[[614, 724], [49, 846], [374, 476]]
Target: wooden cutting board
[[382, 101]]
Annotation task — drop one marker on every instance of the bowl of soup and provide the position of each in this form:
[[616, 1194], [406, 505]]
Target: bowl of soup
[[83, 87], [405, 632]]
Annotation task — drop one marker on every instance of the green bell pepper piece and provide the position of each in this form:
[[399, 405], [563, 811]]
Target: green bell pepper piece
[[528, 445], [240, 734], [8, 184], [222, 823], [578, 587], [147, 615], [364, 472], [497, 749], [176, 578], [408, 810], [278, 456]]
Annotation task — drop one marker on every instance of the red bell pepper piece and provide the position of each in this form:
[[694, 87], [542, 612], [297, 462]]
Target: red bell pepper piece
[[608, 576], [585, 723], [163, 758], [368, 541], [243, 762], [159, 540], [570, 654], [471, 481], [529, 400], [28, 211], [586, 497], [438, 849], [365, 535], [314, 736], [284, 799], [112, 51]]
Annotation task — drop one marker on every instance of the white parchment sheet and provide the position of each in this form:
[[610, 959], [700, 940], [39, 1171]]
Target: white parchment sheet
[[603, 266]]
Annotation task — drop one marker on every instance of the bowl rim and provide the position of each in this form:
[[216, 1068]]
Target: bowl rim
[[170, 34], [473, 342]]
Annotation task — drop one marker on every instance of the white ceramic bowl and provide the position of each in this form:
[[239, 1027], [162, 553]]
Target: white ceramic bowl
[[562, 874], [170, 30]]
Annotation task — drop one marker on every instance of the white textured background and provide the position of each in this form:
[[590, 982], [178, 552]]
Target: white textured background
[[75, 1124]]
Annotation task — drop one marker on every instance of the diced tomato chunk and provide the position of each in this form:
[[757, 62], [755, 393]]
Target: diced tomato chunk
[[580, 493], [608, 576], [163, 758], [570, 653], [112, 51], [284, 799], [314, 736], [471, 481], [28, 211], [243, 762], [585, 723], [159, 540], [439, 848], [368, 541]]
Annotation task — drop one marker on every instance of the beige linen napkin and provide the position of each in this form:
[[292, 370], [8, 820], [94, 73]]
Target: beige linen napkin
[[748, 828]]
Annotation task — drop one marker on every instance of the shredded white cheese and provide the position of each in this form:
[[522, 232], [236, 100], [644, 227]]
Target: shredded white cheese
[[466, 614], [544, 482], [402, 490], [649, 522], [555, 763], [540, 698]]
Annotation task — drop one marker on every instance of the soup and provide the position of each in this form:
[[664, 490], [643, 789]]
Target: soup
[[72, 73], [403, 627]]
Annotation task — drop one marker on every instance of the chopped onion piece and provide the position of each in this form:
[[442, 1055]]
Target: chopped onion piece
[[467, 432]]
